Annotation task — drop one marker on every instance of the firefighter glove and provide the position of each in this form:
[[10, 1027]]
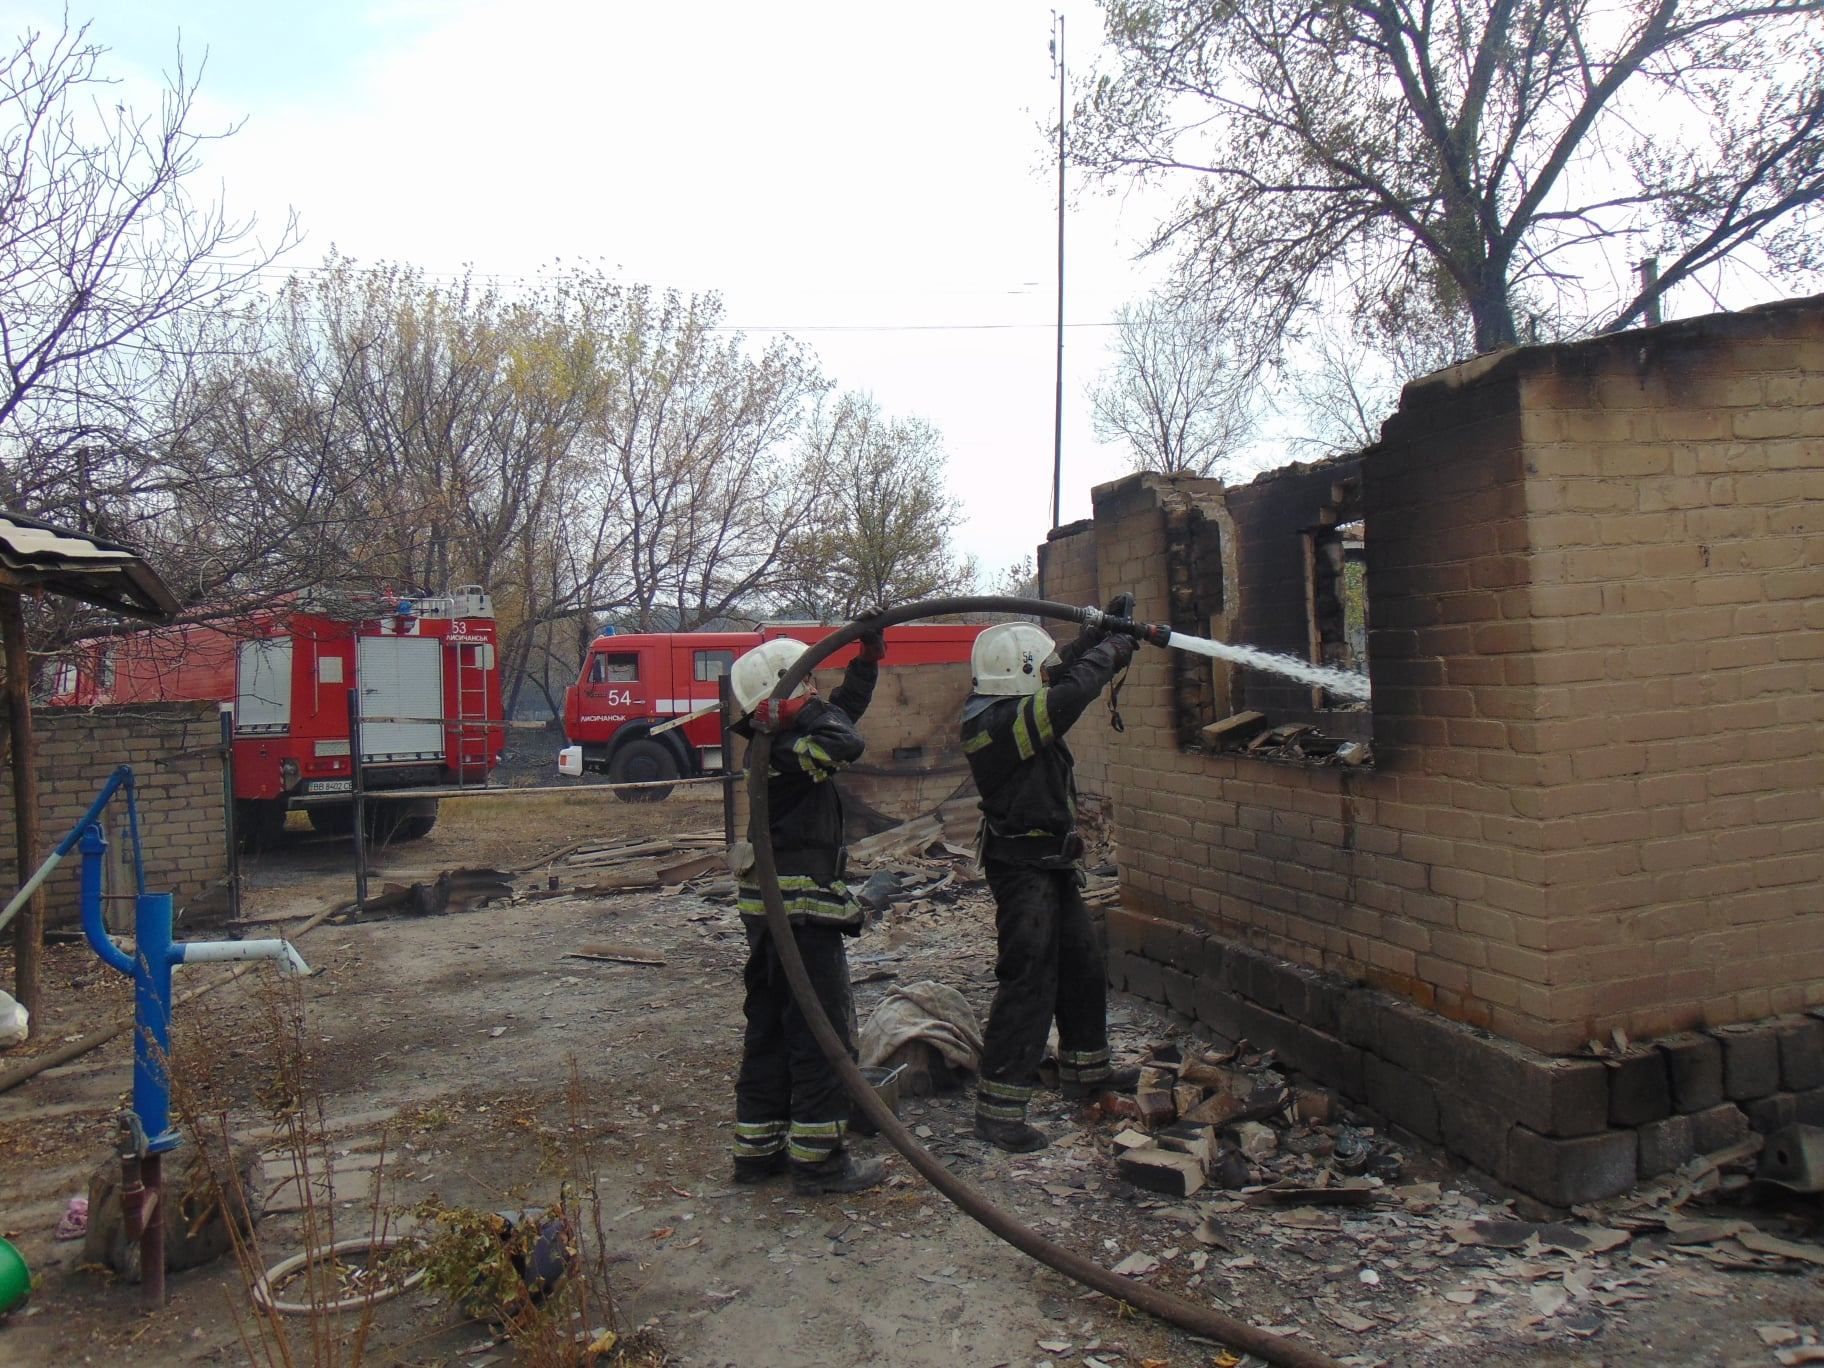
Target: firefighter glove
[[873, 647]]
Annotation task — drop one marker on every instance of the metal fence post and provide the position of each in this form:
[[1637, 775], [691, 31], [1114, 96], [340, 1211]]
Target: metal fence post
[[727, 695], [356, 788]]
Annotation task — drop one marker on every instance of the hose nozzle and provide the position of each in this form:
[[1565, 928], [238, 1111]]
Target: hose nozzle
[[1152, 633]]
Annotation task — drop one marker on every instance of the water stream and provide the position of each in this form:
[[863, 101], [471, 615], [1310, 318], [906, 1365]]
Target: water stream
[[1343, 683]]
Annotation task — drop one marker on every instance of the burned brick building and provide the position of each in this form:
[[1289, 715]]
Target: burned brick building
[[1588, 584]]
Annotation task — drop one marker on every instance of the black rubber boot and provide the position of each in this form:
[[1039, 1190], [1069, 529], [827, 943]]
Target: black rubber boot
[[1122, 1080], [751, 1171], [1016, 1137], [842, 1173]]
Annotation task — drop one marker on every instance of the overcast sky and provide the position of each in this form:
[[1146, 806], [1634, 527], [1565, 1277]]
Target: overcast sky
[[873, 179]]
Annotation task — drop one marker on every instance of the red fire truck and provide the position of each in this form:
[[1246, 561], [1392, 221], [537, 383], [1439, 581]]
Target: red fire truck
[[634, 682], [429, 676]]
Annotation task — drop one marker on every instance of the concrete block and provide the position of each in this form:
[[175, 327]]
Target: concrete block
[[1264, 1029], [1216, 1009], [1664, 1145], [1770, 1113], [1422, 1042], [1263, 976], [1566, 1171], [1324, 998], [1718, 1127], [1117, 963], [1801, 1043], [1359, 1019], [1123, 931], [1171, 943], [1145, 978], [1325, 1058], [1557, 1097], [1214, 954], [1751, 1060], [1640, 1089], [1694, 1067], [1402, 1096], [1808, 1106], [1473, 1131], [1180, 991]]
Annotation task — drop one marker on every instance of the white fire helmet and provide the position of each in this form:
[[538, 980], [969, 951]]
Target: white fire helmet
[[757, 673], [1008, 657]]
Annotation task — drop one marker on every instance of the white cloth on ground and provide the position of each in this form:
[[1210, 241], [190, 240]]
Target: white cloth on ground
[[926, 1011]]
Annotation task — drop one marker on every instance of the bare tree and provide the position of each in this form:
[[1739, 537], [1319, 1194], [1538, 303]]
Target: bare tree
[[1170, 393], [880, 533], [698, 439], [1504, 158], [109, 267]]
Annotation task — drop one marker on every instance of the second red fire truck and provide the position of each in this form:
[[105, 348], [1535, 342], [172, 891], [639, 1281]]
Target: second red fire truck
[[632, 683]]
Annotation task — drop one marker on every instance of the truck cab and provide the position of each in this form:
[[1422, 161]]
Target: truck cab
[[631, 683]]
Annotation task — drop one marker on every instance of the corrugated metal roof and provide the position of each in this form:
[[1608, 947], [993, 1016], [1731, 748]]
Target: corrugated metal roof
[[38, 555]]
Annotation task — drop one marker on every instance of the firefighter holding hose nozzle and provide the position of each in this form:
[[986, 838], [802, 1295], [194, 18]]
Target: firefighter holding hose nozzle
[[1050, 960], [790, 1107]]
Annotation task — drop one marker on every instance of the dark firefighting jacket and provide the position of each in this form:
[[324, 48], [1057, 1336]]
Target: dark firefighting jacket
[[1023, 769], [804, 807]]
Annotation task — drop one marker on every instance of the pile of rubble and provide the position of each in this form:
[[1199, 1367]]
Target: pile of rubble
[[1229, 1119]]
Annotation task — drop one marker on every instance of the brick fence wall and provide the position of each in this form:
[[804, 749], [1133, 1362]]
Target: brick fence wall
[[175, 752], [1596, 607]]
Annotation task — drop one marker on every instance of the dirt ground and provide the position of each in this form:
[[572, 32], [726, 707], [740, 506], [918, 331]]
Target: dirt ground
[[445, 1042]]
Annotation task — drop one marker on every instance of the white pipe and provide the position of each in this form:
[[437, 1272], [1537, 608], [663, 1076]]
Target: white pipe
[[211, 952], [24, 895]]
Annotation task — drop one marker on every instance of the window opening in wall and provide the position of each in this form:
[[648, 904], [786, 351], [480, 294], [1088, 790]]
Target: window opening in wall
[[1337, 582]]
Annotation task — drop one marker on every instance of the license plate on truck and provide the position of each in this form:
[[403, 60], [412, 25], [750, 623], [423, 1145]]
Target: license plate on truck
[[330, 786]]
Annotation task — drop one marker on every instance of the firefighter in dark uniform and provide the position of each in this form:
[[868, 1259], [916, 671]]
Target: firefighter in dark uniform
[[1050, 961], [790, 1107]]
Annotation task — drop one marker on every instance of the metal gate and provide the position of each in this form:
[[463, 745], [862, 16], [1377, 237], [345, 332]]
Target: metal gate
[[401, 679]]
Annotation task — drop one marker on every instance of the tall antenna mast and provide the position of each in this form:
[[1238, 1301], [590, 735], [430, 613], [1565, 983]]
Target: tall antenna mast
[[1057, 429]]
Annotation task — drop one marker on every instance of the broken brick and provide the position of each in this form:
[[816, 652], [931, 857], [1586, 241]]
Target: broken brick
[[1161, 1170]]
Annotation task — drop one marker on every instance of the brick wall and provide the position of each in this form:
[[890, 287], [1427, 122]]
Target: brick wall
[[174, 749], [1596, 594], [1596, 605]]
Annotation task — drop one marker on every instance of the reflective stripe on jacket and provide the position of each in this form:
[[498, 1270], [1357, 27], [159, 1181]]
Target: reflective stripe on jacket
[[1022, 768], [805, 809]]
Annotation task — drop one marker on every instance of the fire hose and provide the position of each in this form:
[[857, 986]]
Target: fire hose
[[1199, 1320]]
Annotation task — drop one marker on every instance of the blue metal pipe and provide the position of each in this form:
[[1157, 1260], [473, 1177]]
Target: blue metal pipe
[[152, 1010], [94, 929]]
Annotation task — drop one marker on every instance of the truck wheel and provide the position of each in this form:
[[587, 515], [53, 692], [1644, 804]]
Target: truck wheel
[[258, 823], [643, 762], [338, 820], [416, 820], [388, 823]]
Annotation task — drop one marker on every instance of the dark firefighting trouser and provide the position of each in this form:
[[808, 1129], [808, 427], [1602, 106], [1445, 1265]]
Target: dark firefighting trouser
[[787, 1097], [1050, 965]]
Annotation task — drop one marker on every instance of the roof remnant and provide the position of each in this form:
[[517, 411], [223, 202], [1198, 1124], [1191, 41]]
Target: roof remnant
[[38, 555]]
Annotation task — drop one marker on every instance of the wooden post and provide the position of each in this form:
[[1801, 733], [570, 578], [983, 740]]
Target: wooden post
[[28, 931]]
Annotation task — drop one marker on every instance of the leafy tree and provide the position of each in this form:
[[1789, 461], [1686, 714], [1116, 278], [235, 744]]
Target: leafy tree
[[1490, 158], [1171, 394], [879, 532]]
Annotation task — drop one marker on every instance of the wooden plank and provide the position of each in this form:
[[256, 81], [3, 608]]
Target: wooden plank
[[614, 954]]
